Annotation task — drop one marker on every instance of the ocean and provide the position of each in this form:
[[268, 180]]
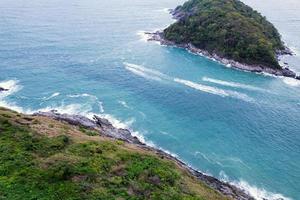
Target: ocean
[[92, 57]]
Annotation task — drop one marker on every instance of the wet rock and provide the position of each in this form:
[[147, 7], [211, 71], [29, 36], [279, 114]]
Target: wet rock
[[288, 73], [77, 120], [3, 90]]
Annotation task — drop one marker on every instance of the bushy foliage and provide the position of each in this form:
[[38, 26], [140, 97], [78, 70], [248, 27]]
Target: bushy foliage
[[228, 28], [34, 166]]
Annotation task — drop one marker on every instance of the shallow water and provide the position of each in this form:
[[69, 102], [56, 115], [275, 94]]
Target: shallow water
[[91, 57]]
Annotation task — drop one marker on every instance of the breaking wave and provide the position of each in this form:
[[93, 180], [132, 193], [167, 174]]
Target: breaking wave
[[52, 96], [124, 104], [254, 191], [214, 90], [232, 84], [158, 76], [12, 87], [291, 82], [143, 36]]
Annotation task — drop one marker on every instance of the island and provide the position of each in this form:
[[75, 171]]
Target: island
[[49, 155], [228, 31]]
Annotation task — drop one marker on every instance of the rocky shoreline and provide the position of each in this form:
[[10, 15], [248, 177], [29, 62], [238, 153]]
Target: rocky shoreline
[[106, 128], [285, 71]]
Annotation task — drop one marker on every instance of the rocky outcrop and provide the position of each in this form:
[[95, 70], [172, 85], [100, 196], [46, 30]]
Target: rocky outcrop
[[106, 128], [159, 37], [3, 90]]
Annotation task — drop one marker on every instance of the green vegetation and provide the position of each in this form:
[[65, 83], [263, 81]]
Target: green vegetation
[[44, 159], [228, 28]]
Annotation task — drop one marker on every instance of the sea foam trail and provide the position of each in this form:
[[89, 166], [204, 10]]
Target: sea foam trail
[[150, 72], [158, 76], [232, 84], [214, 90], [52, 96]]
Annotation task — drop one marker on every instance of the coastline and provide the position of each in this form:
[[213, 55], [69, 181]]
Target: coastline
[[106, 128], [284, 72]]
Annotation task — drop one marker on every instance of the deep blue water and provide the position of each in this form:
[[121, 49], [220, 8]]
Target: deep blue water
[[90, 57]]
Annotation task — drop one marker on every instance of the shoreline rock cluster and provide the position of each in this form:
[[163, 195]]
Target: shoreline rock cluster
[[285, 71], [3, 89], [106, 128]]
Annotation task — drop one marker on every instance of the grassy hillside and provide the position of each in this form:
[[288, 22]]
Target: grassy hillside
[[228, 28], [46, 159]]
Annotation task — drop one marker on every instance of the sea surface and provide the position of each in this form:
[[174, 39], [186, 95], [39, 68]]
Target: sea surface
[[91, 57]]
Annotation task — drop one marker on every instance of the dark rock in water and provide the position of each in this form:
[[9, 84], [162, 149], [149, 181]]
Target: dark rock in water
[[3, 90], [298, 77], [288, 73]]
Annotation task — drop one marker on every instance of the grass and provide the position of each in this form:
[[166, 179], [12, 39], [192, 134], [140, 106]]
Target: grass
[[43, 159]]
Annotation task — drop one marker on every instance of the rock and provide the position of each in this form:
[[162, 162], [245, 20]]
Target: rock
[[3, 90], [288, 73], [77, 120], [298, 77], [106, 128]]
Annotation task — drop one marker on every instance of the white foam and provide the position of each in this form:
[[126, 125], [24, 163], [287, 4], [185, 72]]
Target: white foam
[[143, 36], [164, 10], [101, 108], [232, 84], [141, 73], [12, 86], [82, 95], [291, 81], [124, 104], [254, 191], [214, 90], [52, 96], [72, 109], [150, 72], [203, 88]]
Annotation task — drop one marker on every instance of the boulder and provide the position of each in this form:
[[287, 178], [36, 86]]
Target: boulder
[[288, 73], [3, 90]]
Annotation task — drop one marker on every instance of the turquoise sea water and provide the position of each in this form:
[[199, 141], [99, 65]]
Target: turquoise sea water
[[90, 57]]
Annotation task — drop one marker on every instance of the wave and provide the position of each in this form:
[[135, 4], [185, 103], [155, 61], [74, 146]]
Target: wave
[[143, 36], [52, 96], [101, 107], [232, 84], [13, 86], [164, 10], [254, 191], [124, 104], [137, 71], [148, 72], [214, 90], [72, 109], [291, 81], [158, 76], [82, 95]]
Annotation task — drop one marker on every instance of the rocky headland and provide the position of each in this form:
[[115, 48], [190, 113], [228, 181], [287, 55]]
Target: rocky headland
[[158, 36], [104, 127]]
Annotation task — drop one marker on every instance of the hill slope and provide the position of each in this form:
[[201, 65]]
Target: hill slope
[[42, 158], [228, 28]]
